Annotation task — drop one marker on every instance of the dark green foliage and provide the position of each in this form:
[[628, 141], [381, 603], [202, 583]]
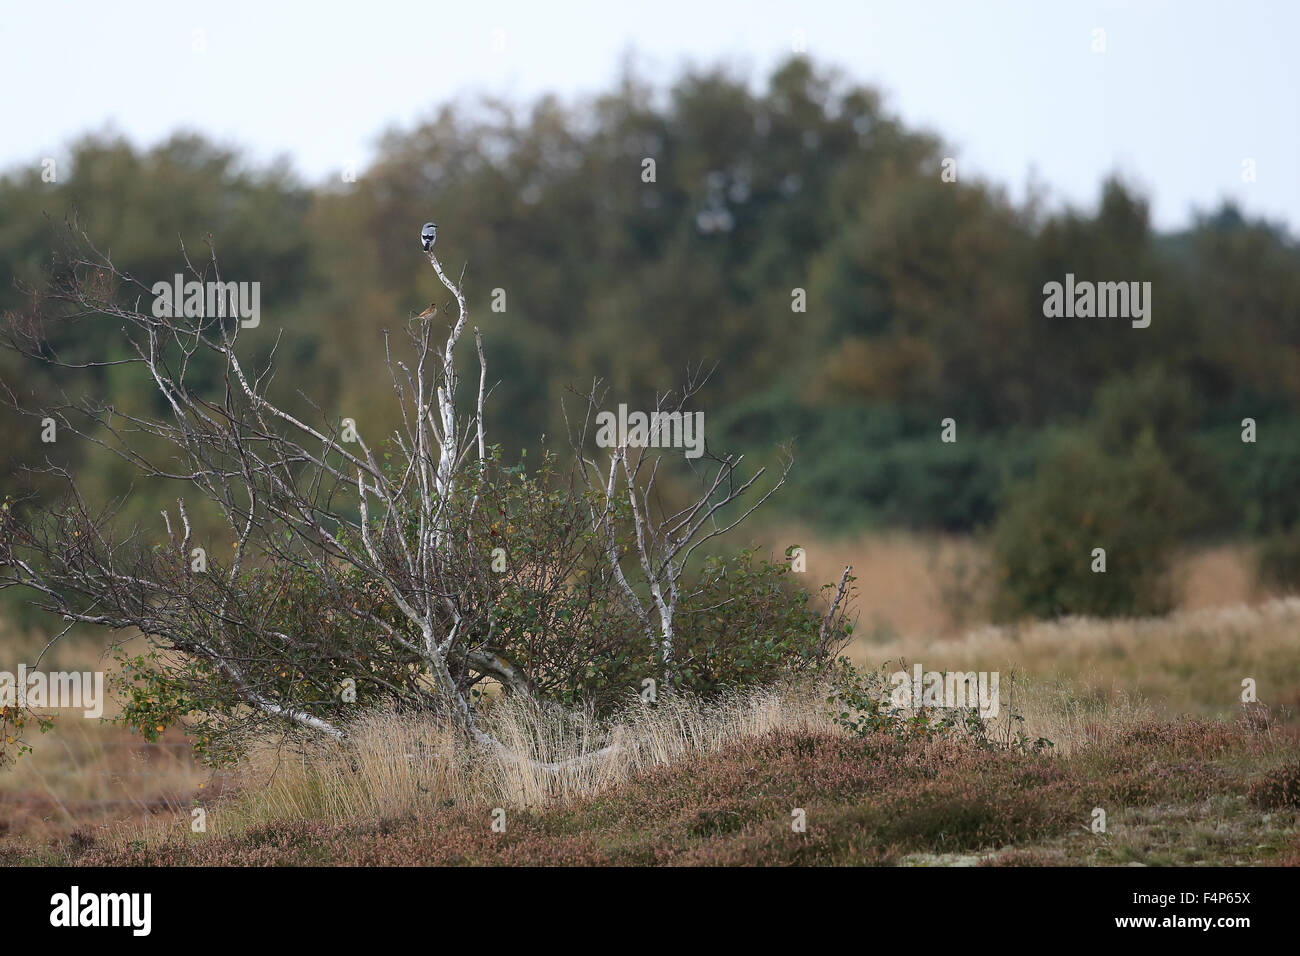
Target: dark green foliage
[[918, 483], [1265, 484], [749, 623], [1082, 498], [875, 466], [1269, 476]]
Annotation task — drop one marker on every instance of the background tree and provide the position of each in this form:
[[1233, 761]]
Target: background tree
[[923, 296]]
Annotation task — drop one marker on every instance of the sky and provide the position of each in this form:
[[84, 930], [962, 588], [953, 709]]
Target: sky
[[1191, 101]]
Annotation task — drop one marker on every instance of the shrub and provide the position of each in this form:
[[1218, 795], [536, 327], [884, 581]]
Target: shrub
[[552, 606], [1082, 498], [860, 702], [1157, 406], [748, 623]]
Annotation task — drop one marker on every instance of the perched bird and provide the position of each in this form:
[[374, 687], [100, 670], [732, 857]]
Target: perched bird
[[427, 235]]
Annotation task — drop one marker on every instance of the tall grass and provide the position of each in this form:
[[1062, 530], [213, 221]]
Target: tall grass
[[395, 763], [1189, 662]]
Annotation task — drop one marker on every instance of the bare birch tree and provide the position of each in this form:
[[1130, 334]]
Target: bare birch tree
[[351, 560], [664, 539]]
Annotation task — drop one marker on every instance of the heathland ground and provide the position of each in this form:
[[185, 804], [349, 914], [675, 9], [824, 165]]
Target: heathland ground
[[1145, 716]]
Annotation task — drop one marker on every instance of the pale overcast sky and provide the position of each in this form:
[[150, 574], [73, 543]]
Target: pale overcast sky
[[1184, 92]]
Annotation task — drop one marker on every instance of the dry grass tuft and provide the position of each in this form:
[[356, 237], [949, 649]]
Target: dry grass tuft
[[393, 763]]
